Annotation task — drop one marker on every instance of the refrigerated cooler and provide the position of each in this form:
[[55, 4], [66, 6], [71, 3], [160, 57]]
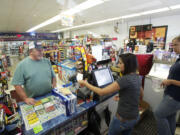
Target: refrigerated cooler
[[153, 92]]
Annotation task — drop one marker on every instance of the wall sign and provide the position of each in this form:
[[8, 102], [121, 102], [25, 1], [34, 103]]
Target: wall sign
[[27, 36]]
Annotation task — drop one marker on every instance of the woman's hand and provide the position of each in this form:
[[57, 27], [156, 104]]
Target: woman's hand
[[166, 83], [116, 98], [82, 83]]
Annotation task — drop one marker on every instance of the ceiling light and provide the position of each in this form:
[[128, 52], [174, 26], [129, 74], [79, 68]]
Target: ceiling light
[[52, 20], [175, 7], [118, 18], [88, 24], [155, 11], [83, 6], [130, 16]]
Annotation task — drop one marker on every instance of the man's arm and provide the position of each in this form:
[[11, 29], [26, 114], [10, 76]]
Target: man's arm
[[53, 76], [54, 82], [175, 82], [18, 81], [23, 96], [170, 82]]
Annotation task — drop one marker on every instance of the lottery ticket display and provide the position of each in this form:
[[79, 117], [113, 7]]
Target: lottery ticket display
[[44, 110]]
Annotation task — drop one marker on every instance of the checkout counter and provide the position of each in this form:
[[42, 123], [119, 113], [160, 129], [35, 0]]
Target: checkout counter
[[62, 124]]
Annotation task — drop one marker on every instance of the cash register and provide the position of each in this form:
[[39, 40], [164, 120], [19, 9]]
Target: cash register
[[101, 78]]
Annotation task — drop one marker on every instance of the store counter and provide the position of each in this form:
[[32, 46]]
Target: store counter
[[63, 123], [153, 80]]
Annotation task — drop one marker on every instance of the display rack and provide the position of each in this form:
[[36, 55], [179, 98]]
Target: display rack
[[44, 110]]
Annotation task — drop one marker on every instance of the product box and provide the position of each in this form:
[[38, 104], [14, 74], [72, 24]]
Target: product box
[[66, 70], [69, 101]]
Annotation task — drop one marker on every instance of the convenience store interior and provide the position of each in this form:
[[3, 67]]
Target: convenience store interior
[[79, 37]]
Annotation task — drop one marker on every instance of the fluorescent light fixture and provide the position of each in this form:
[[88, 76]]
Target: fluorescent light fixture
[[88, 24], [83, 6], [155, 11], [130, 16], [52, 20], [121, 17], [175, 7]]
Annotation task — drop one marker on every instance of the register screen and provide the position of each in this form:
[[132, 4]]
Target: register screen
[[103, 77]]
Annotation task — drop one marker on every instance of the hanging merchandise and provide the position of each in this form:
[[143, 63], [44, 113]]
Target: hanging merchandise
[[2, 120], [84, 58], [4, 73], [8, 61], [62, 53], [67, 20], [83, 54]]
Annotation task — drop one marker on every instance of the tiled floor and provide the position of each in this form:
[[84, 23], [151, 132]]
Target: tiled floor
[[147, 126], [178, 131]]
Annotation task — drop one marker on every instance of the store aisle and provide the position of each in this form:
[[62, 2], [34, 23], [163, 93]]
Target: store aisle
[[14, 62]]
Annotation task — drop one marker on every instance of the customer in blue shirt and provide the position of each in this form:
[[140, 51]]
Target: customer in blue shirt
[[165, 113]]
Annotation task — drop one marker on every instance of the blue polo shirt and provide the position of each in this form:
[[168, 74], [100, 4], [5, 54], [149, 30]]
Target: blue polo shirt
[[174, 73]]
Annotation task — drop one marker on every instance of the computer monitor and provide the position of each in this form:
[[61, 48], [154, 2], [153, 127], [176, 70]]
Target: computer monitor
[[102, 77]]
